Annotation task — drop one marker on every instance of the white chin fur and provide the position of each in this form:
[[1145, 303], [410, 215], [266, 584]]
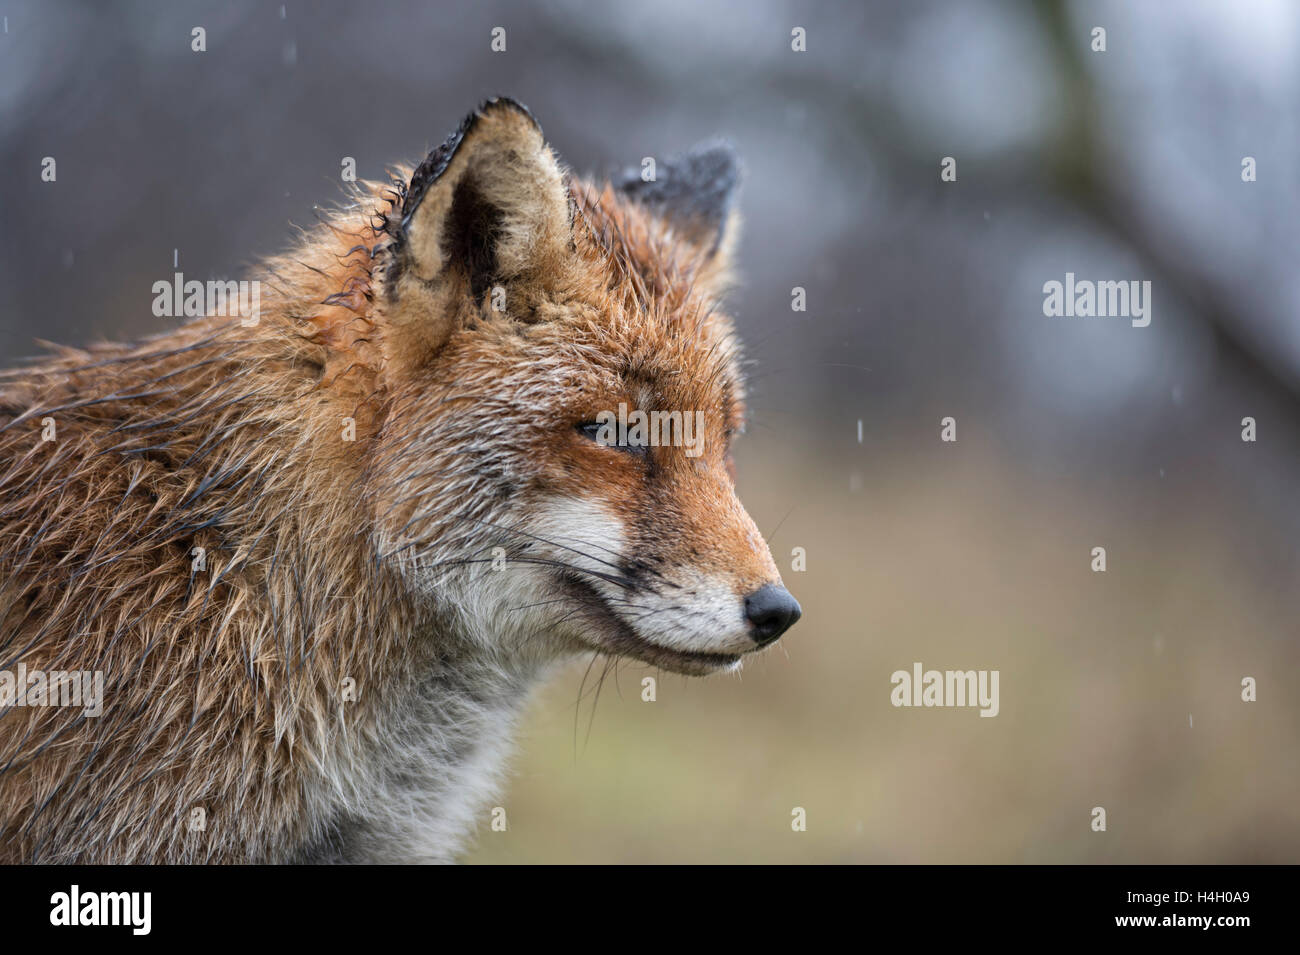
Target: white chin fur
[[519, 601]]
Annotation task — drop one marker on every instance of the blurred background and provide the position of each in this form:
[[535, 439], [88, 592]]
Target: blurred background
[[924, 300]]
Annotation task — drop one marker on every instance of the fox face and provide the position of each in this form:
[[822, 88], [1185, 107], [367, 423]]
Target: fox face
[[553, 469]]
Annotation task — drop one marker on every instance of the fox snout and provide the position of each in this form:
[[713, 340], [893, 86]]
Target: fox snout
[[771, 611]]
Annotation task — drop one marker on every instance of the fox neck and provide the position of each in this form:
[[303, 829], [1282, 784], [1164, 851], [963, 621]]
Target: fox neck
[[404, 709], [424, 775]]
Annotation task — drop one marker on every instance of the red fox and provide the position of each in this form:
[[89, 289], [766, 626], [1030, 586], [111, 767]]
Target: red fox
[[275, 589]]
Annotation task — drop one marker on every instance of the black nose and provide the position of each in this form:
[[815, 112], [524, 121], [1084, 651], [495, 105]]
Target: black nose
[[772, 611]]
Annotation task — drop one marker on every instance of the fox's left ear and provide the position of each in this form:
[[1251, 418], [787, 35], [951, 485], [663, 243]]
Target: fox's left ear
[[486, 207], [695, 191]]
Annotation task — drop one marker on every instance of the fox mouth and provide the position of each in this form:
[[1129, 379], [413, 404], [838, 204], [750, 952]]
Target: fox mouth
[[618, 637]]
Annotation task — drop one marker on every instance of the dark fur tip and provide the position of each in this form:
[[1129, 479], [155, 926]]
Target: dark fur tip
[[698, 185], [507, 102]]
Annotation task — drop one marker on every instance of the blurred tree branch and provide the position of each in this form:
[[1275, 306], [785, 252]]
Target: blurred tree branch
[[858, 123], [1076, 161]]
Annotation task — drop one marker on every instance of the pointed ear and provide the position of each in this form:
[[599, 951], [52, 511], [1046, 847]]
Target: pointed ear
[[487, 206], [694, 191]]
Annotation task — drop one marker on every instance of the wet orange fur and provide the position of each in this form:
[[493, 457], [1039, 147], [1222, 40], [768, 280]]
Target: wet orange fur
[[222, 686]]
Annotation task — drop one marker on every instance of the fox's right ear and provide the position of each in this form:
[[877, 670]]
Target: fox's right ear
[[485, 207]]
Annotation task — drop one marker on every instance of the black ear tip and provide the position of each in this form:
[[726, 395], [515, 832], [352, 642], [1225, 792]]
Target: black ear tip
[[696, 187], [505, 103], [711, 168], [715, 160]]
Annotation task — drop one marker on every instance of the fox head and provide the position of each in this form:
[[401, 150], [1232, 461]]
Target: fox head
[[554, 463]]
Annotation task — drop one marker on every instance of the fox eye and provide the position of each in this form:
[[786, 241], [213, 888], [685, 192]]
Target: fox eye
[[607, 436]]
